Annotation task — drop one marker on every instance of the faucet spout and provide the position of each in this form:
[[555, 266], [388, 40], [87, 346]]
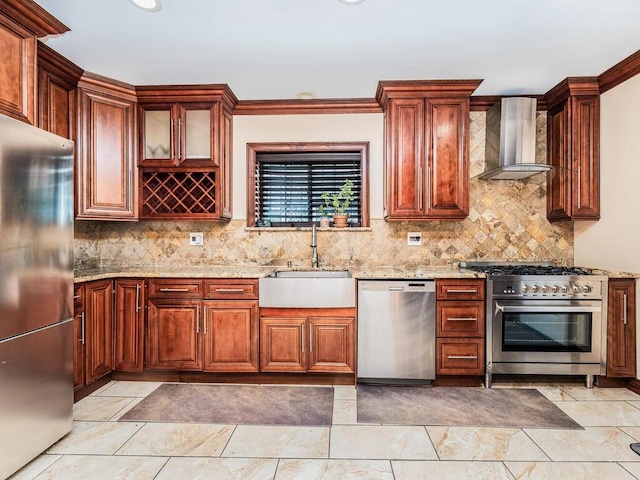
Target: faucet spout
[[314, 246]]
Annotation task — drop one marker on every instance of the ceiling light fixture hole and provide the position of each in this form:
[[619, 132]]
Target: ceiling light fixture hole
[[351, 2], [147, 5]]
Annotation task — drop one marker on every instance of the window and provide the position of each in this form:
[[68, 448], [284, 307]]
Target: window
[[286, 180]]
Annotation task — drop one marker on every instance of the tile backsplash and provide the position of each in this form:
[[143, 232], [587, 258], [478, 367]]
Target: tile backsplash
[[507, 221]]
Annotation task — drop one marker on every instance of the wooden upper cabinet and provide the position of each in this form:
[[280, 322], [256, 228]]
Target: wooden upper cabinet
[[427, 148], [22, 22], [573, 148], [57, 82], [106, 176]]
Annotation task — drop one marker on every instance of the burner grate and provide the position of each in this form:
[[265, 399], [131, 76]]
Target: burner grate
[[527, 270]]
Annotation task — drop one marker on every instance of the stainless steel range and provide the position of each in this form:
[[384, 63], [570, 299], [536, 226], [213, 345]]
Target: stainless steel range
[[544, 319]]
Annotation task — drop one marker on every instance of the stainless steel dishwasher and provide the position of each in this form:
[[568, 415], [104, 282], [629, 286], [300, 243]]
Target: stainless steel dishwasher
[[396, 331]]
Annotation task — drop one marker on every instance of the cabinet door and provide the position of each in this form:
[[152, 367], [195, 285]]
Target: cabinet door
[[157, 138], [621, 328], [106, 176], [447, 139], [282, 344], [78, 335], [129, 326], [585, 151], [174, 341], [459, 356], [98, 329], [231, 336], [405, 126], [559, 155], [331, 344]]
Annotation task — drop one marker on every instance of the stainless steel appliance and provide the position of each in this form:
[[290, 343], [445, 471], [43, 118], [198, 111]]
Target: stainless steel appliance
[[396, 331], [36, 291], [544, 319]]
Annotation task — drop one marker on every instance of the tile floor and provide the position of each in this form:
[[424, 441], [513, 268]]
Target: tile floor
[[100, 447]]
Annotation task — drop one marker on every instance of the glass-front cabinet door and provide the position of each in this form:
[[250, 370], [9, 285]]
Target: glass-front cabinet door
[[175, 136]]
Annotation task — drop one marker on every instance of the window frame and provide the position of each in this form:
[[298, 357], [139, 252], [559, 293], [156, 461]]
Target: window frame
[[253, 149]]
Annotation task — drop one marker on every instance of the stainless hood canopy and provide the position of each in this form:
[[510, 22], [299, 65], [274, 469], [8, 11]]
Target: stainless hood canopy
[[510, 151]]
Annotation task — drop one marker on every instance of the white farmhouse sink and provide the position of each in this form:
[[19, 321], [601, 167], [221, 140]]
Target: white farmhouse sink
[[308, 289]]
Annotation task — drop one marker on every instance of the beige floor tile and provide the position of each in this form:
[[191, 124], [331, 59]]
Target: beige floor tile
[[178, 440], [129, 389], [632, 432], [593, 444], [472, 443], [134, 401], [278, 442], [344, 392], [345, 412], [95, 438], [103, 388], [567, 470], [35, 467], [555, 394], [95, 467], [602, 414], [333, 469], [99, 408], [384, 442], [444, 470], [592, 394], [633, 468], [218, 469]]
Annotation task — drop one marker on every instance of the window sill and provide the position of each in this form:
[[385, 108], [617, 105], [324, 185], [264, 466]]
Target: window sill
[[307, 229]]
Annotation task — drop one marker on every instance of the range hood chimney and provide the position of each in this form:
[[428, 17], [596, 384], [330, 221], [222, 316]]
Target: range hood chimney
[[510, 151]]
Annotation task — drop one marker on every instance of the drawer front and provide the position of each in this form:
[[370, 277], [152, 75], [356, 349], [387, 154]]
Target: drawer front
[[460, 289], [175, 288], [463, 356], [460, 319], [230, 289]]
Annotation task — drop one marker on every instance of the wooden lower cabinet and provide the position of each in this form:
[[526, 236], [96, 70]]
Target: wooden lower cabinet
[[174, 338], [98, 330], [307, 341], [230, 335], [129, 325], [621, 328], [460, 356], [79, 316]]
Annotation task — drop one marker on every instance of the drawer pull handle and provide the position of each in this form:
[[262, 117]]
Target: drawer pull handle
[[174, 289], [624, 308], [460, 319], [75, 297], [462, 357], [230, 290], [462, 290]]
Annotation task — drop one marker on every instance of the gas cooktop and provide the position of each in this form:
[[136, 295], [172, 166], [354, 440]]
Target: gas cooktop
[[521, 269]]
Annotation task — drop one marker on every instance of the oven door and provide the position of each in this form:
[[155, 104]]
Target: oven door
[[534, 331]]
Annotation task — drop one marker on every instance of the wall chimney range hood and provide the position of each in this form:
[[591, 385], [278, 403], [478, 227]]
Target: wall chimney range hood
[[510, 151]]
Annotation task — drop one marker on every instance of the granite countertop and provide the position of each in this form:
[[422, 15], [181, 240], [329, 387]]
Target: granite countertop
[[239, 271]]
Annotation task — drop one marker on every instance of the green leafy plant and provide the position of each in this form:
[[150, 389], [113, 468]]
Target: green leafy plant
[[338, 201]]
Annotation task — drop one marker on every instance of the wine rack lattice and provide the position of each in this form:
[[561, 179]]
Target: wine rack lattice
[[171, 193]]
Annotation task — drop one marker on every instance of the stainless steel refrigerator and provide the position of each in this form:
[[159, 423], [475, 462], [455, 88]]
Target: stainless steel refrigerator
[[36, 292]]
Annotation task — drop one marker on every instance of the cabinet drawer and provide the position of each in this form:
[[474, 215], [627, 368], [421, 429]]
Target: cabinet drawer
[[463, 356], [175, 288], [460, 319], [460, 289], [228, 289]]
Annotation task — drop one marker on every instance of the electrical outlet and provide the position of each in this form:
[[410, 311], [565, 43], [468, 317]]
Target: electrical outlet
[[196, 238], [414, 238]]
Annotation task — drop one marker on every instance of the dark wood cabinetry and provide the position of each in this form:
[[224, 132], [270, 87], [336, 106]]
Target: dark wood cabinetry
[[621, 328], [79, 316], [105, 169], [98, 330], [573, 148], [460, 326], [129, 325], [185, 151], [426, 148], [21, 23], [57, 82], [307, 340]]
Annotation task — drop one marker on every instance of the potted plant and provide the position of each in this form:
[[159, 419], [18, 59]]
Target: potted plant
[[339, 202]]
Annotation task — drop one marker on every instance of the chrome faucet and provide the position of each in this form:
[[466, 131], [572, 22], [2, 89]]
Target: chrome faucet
[[314, 246]]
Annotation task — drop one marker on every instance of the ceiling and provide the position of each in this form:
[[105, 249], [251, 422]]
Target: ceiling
[[276, 49]]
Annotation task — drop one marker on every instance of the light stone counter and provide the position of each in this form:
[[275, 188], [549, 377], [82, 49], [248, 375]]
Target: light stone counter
[[239, 271]]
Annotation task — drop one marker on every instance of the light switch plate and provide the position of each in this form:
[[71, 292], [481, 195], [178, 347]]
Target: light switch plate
[[414, 238], [196, 238]]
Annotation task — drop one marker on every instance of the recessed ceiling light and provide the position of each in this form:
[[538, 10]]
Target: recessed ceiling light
[[148, 5], [351, 2], [306, 95]]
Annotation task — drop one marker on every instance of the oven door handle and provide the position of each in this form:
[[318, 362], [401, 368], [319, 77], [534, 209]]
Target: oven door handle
[[546, 309]]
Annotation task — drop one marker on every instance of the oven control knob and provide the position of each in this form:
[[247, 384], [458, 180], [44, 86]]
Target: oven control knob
[[535, 288], [565, 289], [526, 288], [554, 289], [545, 289], [586, 288], [576, 289]]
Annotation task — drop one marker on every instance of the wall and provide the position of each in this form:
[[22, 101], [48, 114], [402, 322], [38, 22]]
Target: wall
[[612, 243], [507, 219]]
